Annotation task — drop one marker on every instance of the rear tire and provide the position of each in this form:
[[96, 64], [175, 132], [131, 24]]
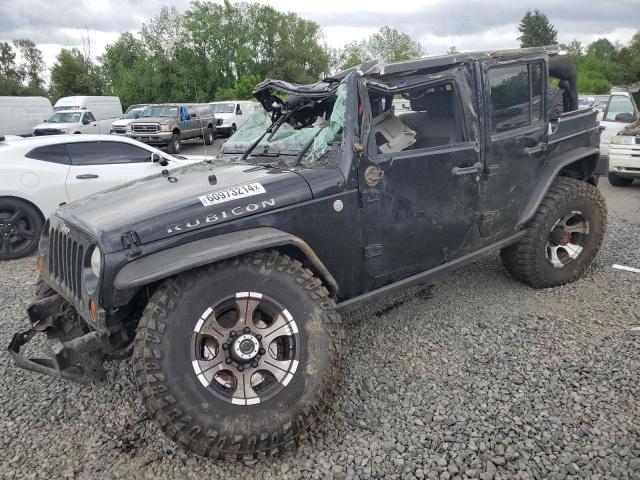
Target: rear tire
[[20, 228], [618, 181], [197, 388], [562, 238], [175, 145]]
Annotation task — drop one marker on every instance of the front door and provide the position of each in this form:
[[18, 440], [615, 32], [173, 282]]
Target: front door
[[96, 166], [419, 183], [516, 133]]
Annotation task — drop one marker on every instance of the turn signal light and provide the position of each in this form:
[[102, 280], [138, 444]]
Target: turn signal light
[[93, 309], [41, 264]]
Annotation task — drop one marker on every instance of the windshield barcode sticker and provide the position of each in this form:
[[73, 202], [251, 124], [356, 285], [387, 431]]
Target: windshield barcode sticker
[[232, 193]]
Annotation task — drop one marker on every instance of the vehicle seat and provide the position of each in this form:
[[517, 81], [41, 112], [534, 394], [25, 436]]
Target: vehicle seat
[[438, 125]]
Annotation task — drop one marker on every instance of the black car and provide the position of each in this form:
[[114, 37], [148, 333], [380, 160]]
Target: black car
[[227, 278]]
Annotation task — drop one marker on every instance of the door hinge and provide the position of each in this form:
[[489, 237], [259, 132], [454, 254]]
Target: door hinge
[[131, 240], [369, 196], [374, 250]]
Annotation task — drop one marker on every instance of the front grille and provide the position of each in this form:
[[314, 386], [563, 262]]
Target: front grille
[[66, 256], [218, 122], [146, 128]]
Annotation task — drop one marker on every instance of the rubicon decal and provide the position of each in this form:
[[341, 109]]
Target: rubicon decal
[[232, 193], [219, 216]]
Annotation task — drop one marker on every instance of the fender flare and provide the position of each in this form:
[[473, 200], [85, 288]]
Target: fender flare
[[181, 258], [548, 175]]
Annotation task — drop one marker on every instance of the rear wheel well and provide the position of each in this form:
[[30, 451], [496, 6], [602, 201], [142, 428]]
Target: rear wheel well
[[35, 207], [581, 169]]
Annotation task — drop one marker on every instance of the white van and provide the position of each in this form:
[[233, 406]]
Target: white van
[[18, 115], [231, 114], [81, 114]]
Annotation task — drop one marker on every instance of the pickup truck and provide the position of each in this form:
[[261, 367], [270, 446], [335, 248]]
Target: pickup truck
[[227, 278], [624, 146], [72, 121], [169, 124]]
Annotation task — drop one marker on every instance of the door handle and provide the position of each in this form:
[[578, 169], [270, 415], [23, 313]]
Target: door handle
[[475, 168], [86, 176]]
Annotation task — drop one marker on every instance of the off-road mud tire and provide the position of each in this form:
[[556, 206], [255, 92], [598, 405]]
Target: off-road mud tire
[[618, 181], [526, 260], [191, 415]]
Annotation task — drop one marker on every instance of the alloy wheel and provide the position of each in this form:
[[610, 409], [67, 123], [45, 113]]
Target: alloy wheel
[[566, 239]]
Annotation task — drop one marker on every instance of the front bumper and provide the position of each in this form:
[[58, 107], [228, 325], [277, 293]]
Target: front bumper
[[48, 131], [624, 160], [158, 138], [74, 356]]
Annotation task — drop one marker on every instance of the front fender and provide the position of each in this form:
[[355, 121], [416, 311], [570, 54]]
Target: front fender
[[172, 261]]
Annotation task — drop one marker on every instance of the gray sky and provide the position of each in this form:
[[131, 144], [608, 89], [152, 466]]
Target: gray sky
[[437, 24]]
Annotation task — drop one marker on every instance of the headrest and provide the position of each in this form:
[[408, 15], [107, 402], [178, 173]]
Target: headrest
[[436, 103]]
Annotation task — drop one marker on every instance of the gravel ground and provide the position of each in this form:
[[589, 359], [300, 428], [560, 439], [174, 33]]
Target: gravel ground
[[475, 377]]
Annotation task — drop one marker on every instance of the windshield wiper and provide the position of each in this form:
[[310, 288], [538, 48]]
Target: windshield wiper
[[306, 148]]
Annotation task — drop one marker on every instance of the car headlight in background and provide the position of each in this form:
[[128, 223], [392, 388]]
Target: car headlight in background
[[623, 140], [96, 261], [164, 128]]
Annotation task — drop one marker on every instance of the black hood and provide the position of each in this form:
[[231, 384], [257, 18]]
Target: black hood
[[188, 198]]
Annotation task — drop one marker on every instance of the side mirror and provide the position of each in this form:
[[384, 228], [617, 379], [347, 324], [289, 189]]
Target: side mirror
[[239, 112], [86, 121], [137, 115], [44, 121], [155, 158]]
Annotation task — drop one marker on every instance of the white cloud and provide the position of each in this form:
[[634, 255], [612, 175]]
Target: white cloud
[[437, 24]]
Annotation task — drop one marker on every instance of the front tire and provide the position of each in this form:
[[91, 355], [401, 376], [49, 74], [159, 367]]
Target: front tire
[[239, 359], [209, 136], [618, 181], [562, 238], [20, 228], [175, 145]]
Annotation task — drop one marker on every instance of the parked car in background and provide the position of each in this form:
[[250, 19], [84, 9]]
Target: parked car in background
[[18, 115], [39, 174], [619, 112], [624, 147], [81, 114], [167, 125], [230, 115], [119, 127]]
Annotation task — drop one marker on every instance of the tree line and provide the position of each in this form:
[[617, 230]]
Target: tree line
[[222, 50]]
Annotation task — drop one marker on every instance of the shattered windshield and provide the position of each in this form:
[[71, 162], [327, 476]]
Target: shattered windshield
[[322, 135]]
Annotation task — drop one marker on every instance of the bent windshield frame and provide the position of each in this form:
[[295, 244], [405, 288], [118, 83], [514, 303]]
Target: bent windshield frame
[[323, 135]]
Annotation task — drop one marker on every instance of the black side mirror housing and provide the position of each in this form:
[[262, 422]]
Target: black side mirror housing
[[155, 158]]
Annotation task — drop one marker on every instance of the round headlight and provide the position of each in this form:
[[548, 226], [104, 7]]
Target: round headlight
[[96, 261]]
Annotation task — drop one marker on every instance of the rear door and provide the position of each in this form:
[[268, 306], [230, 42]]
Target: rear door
[[516, 140], [96, 166]]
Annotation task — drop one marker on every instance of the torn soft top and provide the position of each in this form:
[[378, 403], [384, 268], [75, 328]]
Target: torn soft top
[[264, 92]]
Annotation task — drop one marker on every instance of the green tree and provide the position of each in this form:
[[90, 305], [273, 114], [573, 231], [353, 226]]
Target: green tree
[[74, 74], [8, 69], [602, 49], [452, 50], [32, 66], [536, 30], [387, 45], [575, 48]]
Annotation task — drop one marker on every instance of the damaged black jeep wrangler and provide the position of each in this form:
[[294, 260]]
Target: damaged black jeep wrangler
[[226, 278]]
